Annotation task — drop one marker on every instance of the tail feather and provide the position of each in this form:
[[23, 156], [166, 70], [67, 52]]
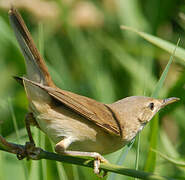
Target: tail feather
[[36, 68]]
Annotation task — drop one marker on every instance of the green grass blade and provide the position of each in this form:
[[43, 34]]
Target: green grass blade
[[1, 165], [169, 147], [165, 45], [137, 153], [23, 164], [121, 158], [62, 174], [35, 166], [76, 173], [42, 165], [14, 119], [61, 171], [151, 158], [164, 74], [6, 33], [174, 161]]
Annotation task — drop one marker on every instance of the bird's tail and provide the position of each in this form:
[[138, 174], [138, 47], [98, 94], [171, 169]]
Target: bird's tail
[[36, 68]]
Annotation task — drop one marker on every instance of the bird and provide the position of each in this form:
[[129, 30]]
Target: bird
[[78, 125]]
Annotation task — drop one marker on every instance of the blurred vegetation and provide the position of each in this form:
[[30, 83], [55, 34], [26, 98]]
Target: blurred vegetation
[[87, 53]]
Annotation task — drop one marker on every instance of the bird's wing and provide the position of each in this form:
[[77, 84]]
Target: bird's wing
[[94, 111]]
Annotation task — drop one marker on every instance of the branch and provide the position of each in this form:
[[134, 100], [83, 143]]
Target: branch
[[20, 151]]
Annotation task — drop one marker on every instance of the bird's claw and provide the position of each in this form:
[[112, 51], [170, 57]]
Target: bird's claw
[[99, 159], [30, 151], [21, 154]]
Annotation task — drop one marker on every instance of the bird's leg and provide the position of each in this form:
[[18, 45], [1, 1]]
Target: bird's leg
[[29, 119], [30, 149], [64, 144]]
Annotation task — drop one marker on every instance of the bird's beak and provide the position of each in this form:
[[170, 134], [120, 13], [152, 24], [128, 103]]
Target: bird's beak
[[169, 101]]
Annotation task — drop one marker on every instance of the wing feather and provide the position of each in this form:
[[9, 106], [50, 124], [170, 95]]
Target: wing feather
[[89, 108]]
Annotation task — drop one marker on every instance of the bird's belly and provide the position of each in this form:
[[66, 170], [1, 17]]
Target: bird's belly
[[86, 135]]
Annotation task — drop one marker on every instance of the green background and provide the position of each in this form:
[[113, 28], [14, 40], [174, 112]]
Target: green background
[[87, 53]]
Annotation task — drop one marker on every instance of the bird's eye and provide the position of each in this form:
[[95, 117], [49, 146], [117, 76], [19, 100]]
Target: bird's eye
[[151, 106]]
